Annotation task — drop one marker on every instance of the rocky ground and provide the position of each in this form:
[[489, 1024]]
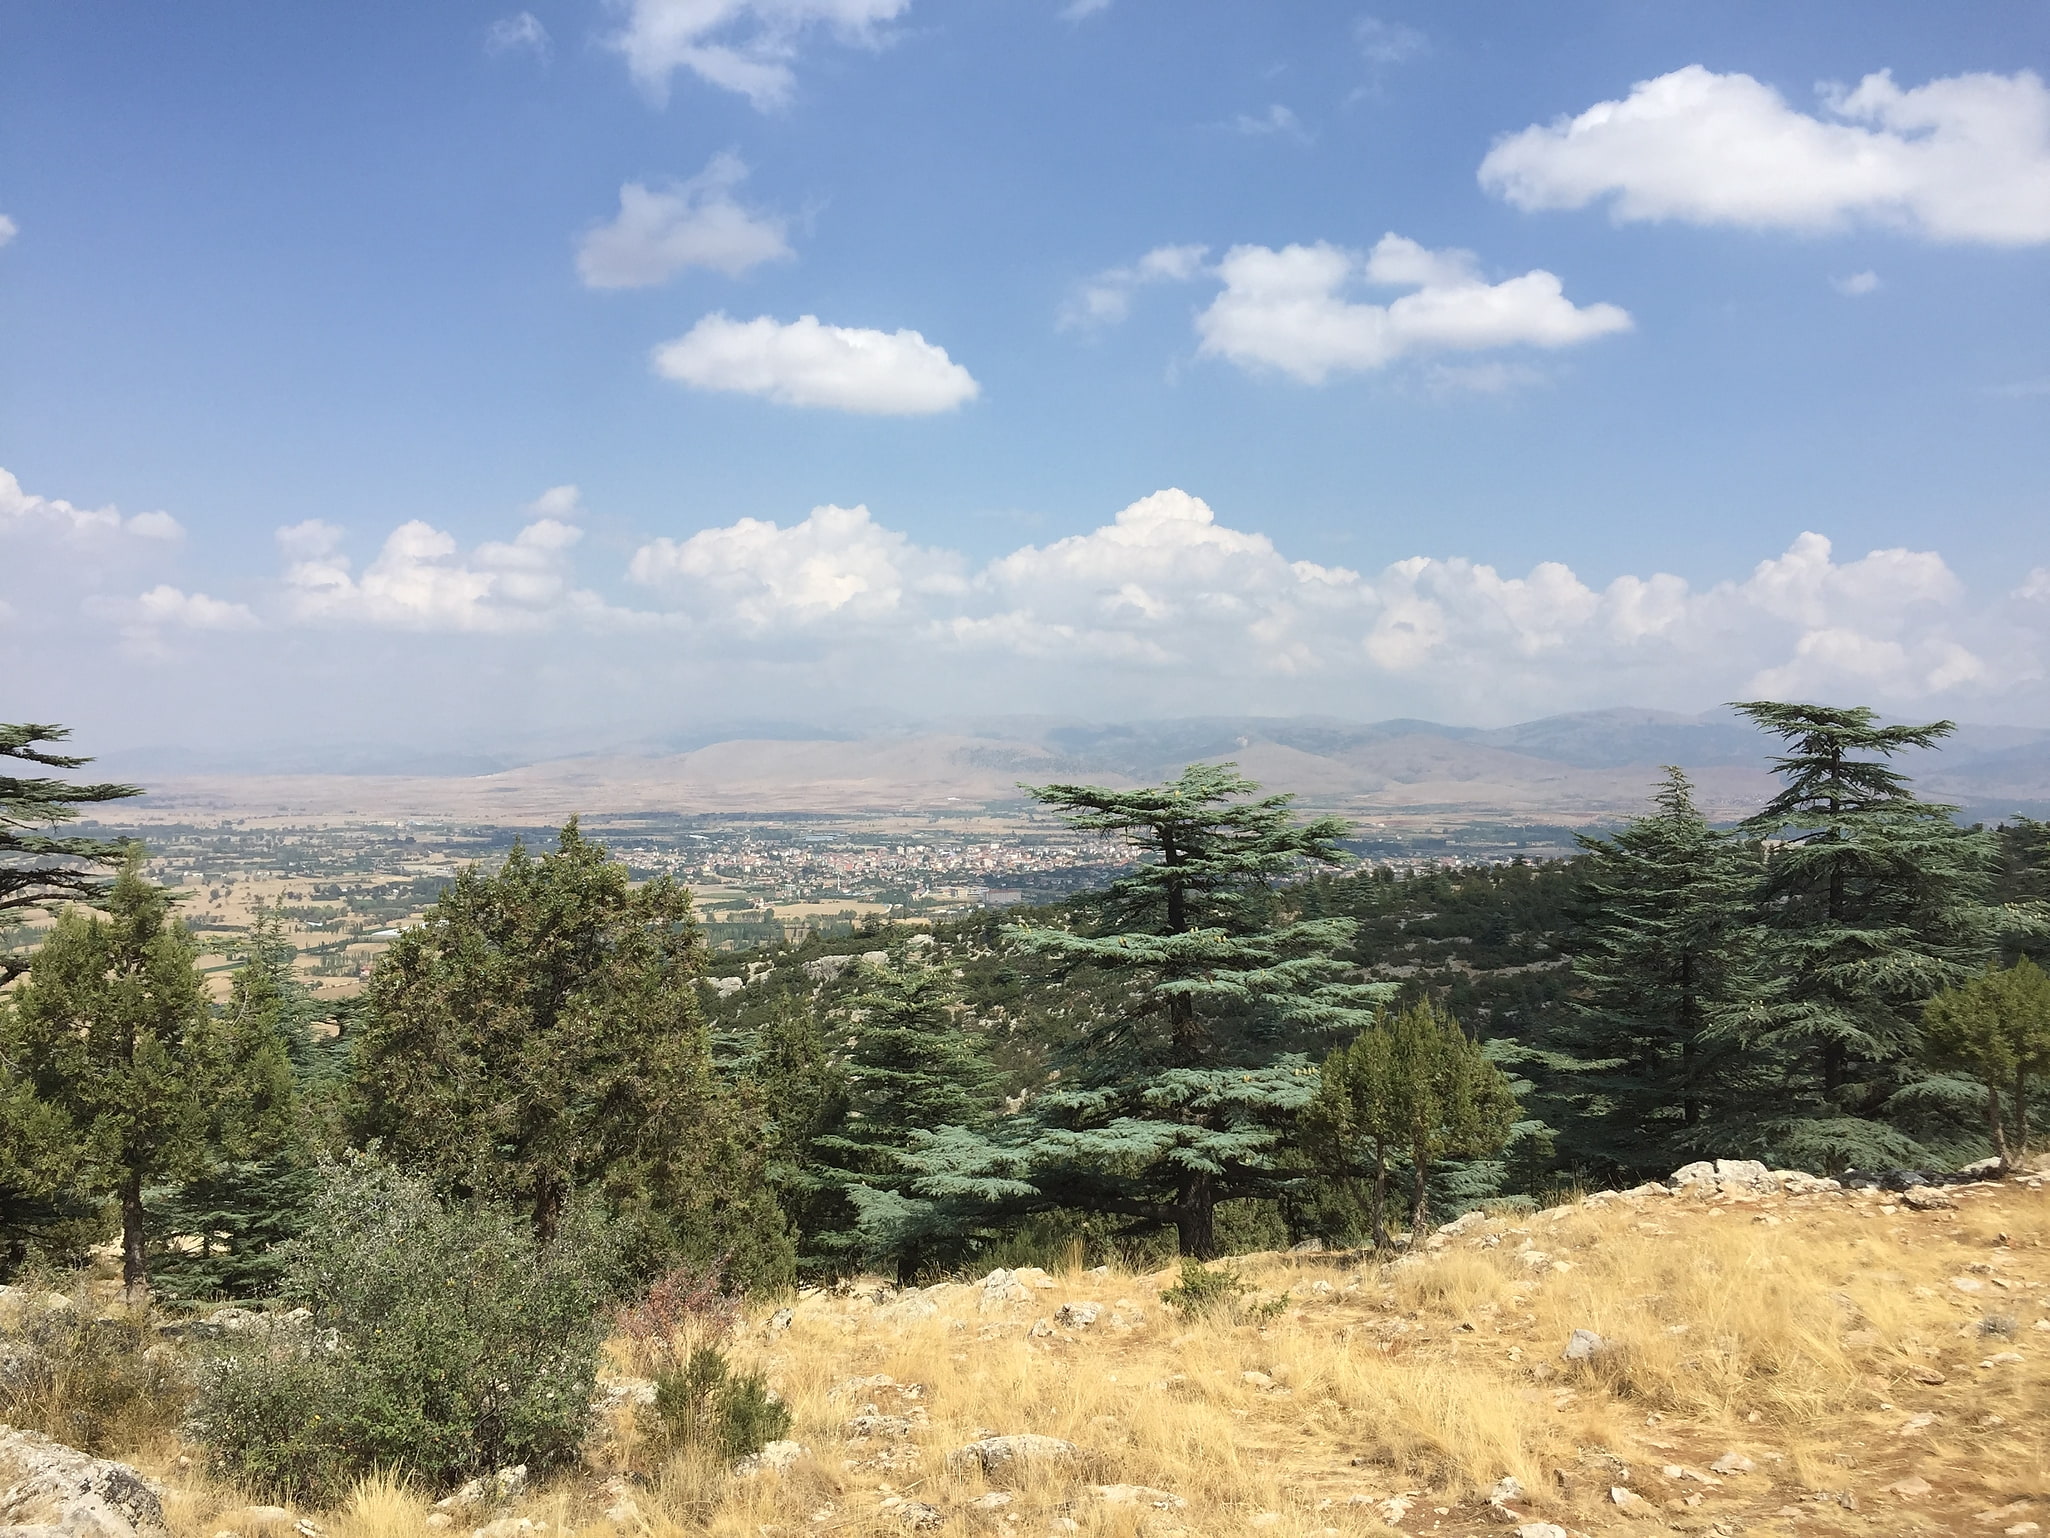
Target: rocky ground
[[1737, 1351]]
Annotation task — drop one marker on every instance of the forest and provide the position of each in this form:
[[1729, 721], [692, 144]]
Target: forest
[[1238, 1044]]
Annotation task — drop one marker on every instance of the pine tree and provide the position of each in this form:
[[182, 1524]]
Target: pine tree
[[1176, 1097], [112, 1038], [1663, 948], [910, 1070], [39, 870], [1997, 1026], [538, 1037], [1873, 901], [222, 1234]]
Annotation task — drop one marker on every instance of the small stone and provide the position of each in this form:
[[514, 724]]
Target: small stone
[[1626, 1499], [1138, 1495], [1077, 1316], [1925, 1199], [1583, 1345], [1256, 1379], [2022, 1529], [1967, 1284], [1540, 1530], [993, 1500], [1911, 1488], [782, 1319], [919, 1517], [2002, 1359], [1507, 1488], [995, 1452], [1923, 1373], [1733, 1462]]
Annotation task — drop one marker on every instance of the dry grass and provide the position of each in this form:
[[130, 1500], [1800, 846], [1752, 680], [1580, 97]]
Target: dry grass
[[1789, 1330]]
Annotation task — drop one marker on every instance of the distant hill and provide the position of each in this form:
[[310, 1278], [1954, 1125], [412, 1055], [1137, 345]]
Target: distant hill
[[1587, 766]]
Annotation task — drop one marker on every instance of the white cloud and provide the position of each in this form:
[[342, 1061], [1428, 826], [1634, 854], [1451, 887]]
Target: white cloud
[[1078, 10], [310, 540], [838, 565], [26, 516], [166, 607], [8, 229], [420, 580], [1277, 119], [1388, 42], [1287, 309], [744, 46], [520, 32], [659, 232], [1857, 285], [1106, 298], [1963, 158], [806, 363]]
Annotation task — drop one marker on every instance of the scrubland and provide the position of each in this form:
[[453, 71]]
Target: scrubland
[[1829, 1363]]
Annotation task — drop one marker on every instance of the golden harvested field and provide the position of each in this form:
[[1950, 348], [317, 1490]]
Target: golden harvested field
[[1770, 1364]]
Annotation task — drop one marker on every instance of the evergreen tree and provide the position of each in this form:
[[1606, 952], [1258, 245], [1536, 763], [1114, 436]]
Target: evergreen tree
[[38, 869], [803, 1093], [112, 1039], [538, 1036], [1352, 1127], [909, 1071], [1664, 949], [1997, 1027], [222, 1234], [1176, 1098], [1873, 901]]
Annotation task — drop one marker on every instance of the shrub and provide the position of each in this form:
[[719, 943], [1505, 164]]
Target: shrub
[[95, 1383], [1202, 1292], [443, 1341], [703, 1407]]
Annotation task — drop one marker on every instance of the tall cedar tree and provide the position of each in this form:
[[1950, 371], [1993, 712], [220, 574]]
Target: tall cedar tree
[[38, 869], [1873, 901], [1663, 945], [538, 1036], [112, 1036], [1997, 1027], [1177, 1100], [910, 1070], [222, 1234], [802, 1089], [1414, 1087]]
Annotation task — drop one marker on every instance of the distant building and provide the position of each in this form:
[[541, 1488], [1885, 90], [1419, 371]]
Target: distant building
[[1002, 897]]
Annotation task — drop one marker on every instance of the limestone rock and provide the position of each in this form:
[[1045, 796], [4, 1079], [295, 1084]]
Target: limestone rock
[[1077, 1316], [1925, 1199], [1138, 1495], [1733, 1462], [993, 1453], [774, 1458], [1540, 1530], [1911, 1488], [992, 1500], [1583, 1346], [509, 1527], [62, 1490]]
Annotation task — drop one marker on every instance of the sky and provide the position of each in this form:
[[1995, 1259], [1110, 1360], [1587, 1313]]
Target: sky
[[585, 374]]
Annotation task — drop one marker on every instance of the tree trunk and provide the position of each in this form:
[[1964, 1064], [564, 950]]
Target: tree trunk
[[547, 1210], [1998, 1126], [1195, 1218], [1419, 1195], [1379, 1211], [134, 1259]]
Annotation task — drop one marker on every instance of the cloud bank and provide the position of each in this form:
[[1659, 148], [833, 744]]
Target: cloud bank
[[1164, 607], [1961, 159]]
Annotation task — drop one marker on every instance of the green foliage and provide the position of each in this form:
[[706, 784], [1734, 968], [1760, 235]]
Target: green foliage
[[1412, 1087], [38, 869], [1664, 946], [90, 1380], [1177, 1095], [538, 1037], [1203, 1292], [444, 1342], [1997, 1027], [115, 1051], [1871, 902], [703, 1408], [908, 1072]]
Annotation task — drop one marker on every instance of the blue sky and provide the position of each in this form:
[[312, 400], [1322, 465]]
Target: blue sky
[[343, 271]]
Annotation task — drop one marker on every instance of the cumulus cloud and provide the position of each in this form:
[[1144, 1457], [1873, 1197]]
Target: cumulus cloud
[[1857, 285], [1289, 309], [420, 580], [1964, 158], [1078, 10], [1106, 299], [807, 363], [519, 33], [838, 565], [745, 46], [8, 229], [24, 516], [658, 232]]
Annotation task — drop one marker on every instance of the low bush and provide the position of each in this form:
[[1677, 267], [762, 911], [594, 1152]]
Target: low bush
[[443, 1342], [704, 1408], [97, 1382], [1202, 1292]]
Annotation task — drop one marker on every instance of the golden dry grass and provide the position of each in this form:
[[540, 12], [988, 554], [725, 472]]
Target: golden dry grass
[[1794, 1331]]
